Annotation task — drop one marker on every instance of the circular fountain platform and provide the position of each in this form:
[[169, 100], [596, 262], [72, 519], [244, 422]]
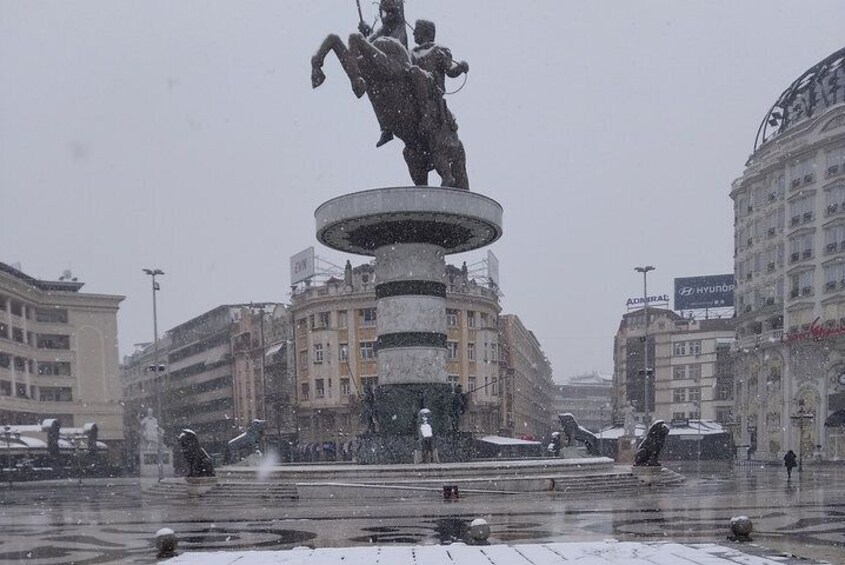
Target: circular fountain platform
[[454, 219]]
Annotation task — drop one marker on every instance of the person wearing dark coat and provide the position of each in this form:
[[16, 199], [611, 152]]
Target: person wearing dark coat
[[789, 462]]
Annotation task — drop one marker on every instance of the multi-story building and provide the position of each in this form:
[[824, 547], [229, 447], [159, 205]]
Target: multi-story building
[[219, 371], [691, 370], [789, 210], [261, 384], [587, 397], [59, 355], [526, 385], [335, 351]]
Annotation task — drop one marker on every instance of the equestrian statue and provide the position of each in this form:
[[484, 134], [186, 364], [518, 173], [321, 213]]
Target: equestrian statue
[[406, 89]]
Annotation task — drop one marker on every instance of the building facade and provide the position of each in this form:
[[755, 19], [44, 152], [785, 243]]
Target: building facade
[[690, 361], [588, 398], [262, 387], [334, 329], [789, 210], [526, 386], [59, 355]]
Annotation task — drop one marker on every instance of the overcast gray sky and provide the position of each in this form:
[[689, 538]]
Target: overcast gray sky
[[186, 136]]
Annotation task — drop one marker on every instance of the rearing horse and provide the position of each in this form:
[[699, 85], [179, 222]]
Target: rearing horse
[[380, 66]]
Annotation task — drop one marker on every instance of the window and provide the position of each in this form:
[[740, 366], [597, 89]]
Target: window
[[341, 319], [484, 319], [5, 388], [54, 368], [801, 210], [344, 387], [470, 384], [318, 353], [323, 319], [835, 162], [367, 350], [723, 415], [367, 317], [371, 382], [834, 198], [834, 276], [834, 238], [470, 319], [679, 372], [17, 334], [303, 391], [494, 352], [451, 318], [801, 284], [471, 351], [679, 395], [319, 388], [4, 331], [17, 308], [694, 394], [695, 415], [695, 371], [678, 416], [451, 350], [801, 247], [5, 360], [679, 348], [343, 352], [53, 341], [51, 315], [695, 347], [20, 364], [802, 172], [303, 360], [54, 394], [454, 380]]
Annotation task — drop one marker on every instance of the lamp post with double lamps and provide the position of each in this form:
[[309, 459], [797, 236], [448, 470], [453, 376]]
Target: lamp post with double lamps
[[156, 367], [645, 270]]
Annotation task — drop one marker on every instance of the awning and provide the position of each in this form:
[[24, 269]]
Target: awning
[[836, 420]]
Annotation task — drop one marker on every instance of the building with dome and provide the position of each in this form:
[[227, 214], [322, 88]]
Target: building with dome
[[789, 207]]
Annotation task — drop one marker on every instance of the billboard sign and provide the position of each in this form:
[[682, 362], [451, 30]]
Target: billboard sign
[[302, 266], [711, 291], [492, 268]]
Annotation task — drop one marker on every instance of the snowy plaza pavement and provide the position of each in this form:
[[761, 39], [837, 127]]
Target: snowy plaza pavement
[[114, 522], [595, 553]]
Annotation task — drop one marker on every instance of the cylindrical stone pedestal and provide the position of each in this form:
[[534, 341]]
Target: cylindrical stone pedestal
[[409, 231]]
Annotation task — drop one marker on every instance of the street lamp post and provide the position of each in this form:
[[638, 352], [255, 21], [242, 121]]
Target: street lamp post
[[645, 270], [156, 366]]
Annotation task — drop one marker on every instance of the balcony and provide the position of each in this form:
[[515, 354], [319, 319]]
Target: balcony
[[765, 338]]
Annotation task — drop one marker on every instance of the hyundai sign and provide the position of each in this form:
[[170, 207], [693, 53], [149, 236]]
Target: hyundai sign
[[712, 291]]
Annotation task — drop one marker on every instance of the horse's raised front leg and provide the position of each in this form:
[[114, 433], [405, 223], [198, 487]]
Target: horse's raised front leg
[[348, 60]]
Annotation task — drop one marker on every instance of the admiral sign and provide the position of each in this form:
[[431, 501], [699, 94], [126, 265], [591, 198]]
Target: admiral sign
[[711, 291]]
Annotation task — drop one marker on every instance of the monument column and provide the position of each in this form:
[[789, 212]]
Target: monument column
[[409, 231], [411, 302]]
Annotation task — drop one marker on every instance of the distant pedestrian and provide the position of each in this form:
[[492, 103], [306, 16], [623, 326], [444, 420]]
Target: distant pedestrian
[[789, 462]]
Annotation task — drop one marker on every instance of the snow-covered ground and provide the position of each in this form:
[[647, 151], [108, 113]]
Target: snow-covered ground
[[594, 553]]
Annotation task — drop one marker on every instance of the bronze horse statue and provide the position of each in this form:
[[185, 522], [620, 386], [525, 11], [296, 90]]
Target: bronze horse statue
[[380, 66]]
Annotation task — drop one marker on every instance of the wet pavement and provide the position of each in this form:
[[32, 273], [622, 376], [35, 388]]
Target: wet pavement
[[112, 522]]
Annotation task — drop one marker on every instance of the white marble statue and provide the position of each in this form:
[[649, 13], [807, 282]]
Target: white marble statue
[[151, 433]]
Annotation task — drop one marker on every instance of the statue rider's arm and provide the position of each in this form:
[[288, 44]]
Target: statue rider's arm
[[451, 68]]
